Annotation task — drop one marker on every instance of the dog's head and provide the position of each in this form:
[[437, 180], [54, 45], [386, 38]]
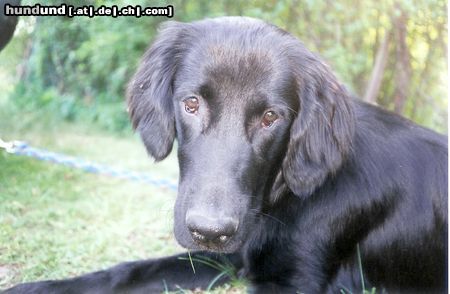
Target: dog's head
[[256, 115]]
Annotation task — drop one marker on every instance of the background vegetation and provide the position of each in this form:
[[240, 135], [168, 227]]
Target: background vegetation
[[62, 84], [77, 68]]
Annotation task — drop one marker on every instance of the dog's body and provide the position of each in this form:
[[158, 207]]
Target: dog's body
[[302, 188]]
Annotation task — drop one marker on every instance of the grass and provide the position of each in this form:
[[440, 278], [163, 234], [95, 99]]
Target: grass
[[57, 222]]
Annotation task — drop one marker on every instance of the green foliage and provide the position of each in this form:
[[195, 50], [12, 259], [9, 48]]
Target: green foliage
[[77, 68]]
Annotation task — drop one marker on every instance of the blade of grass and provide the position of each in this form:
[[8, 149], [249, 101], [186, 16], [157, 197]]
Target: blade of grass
[[215, 280], [211, 264], [345, 290], [190, 259], [360, 268]]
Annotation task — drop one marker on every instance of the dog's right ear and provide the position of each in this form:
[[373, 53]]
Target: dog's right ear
[[150, 92]]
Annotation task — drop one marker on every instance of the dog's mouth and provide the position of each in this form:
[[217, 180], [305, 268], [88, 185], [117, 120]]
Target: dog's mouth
[[230, 247]]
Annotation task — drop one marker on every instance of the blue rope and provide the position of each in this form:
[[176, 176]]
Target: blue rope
[[21, 148]]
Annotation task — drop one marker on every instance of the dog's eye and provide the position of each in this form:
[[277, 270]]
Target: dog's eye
[[269, 118], [191, 104]]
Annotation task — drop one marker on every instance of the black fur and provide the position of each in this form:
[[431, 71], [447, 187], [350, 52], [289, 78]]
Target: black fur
[[332, 182]]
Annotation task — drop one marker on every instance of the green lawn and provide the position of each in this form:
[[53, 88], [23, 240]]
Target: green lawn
[[58, 222]]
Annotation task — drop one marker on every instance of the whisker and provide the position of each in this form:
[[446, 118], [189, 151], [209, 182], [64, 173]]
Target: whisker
[[259, 213], [273, 218]]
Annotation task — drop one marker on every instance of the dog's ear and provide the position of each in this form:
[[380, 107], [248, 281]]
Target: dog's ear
[[149, 93], [321, 134]]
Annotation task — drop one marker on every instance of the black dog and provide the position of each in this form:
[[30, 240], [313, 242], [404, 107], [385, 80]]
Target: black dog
[[281, 172]]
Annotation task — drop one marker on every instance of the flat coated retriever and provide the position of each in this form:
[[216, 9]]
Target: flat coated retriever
[[282, 173]]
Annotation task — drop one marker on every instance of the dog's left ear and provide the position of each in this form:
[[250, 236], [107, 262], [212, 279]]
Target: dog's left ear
[[321, 135], [150, 91]]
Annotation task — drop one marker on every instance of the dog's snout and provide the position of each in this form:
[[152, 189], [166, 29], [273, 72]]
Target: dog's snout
[[211, 231]]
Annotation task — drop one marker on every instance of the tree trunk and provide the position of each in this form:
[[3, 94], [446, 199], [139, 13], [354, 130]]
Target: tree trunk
[[376, 77], [402, 75]]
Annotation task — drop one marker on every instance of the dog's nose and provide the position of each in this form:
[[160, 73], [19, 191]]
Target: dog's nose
[[211, 231]]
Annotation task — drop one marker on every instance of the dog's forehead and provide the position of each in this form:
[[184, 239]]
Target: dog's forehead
[[232, 67], [243, 66]]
